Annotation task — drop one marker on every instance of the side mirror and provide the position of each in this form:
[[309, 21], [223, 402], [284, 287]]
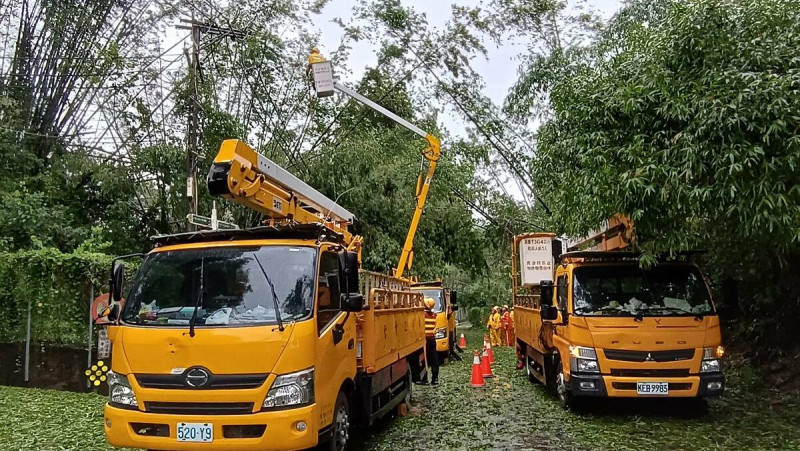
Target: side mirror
[[454, 300], [546, 292], [351, 302], [549, 313], [348, 272], [114, 308], [117, 280]]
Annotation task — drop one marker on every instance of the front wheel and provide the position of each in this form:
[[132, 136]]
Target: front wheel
[[340, 429], [564, 394]]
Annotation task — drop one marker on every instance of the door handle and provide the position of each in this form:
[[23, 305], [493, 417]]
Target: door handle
[[338, 333], [351, 344]]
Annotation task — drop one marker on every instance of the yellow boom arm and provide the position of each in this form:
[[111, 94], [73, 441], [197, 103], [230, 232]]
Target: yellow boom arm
[[241, 174], [431, 154]]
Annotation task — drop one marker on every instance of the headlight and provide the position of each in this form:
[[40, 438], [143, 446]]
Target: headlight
[[440, 333], [583, 359], [715, 352], [119, 390], [588, 366], [291, 389], [710, 366]]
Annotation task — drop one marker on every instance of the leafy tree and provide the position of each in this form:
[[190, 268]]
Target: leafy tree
[[684, 116]]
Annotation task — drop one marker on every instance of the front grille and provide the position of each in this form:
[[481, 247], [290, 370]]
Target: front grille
[[200, 408], [645, 356], [650, 373], [215, 381], [676, 386]]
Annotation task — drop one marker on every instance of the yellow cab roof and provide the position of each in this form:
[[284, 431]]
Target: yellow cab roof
[[299, 235]]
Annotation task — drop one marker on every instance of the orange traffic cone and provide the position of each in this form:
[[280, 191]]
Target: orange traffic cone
[[491, 354], [485, 340], [486, 367], [477, 372], [462, 342]]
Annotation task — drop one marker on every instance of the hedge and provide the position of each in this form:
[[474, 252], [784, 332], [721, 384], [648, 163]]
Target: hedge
[[57, 286]]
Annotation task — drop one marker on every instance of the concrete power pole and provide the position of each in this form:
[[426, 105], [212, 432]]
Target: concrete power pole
[[198, 29]]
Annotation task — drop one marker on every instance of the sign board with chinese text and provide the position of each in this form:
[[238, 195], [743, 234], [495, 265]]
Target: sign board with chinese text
[[536, 259], [323, 78]]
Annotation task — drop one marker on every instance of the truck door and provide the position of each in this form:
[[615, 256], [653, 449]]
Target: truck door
[[336, 342]]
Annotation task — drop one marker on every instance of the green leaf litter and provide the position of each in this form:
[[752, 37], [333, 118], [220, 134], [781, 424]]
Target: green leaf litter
[[509, 413]]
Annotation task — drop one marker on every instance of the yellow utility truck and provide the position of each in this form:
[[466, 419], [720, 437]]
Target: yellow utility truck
[[264, 338], [592, 323], [445, 308]]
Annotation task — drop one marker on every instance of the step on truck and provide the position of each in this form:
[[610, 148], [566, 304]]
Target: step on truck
[[591, 322], [262, 338]]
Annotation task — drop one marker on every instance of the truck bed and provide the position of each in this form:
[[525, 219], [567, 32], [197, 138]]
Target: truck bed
[[391, 326]]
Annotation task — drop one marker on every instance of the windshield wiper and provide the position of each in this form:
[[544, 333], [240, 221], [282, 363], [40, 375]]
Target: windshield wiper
[[697, 315], [605, 308], [199, 299], [274, 295]]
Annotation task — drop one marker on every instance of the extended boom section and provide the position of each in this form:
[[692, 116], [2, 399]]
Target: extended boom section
[[248, 178]]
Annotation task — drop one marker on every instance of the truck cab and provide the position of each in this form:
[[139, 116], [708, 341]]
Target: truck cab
[[606, 327], [242, 340], [445, 308]]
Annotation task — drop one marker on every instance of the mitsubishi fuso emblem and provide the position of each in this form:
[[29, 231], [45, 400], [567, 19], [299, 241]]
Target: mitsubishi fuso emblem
[[649, 358], [196, 377]]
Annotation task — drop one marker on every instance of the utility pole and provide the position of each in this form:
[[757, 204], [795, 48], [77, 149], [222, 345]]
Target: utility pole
[[197, 29]]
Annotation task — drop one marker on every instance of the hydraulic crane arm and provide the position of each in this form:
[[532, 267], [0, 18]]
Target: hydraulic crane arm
[[248, 178], [431, 154]]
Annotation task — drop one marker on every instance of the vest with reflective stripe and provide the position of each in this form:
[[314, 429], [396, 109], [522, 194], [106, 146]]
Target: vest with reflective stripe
[[430, 324]]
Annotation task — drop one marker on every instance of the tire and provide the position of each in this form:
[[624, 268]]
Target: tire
[[565, 397], [340, 428], [405, 405]]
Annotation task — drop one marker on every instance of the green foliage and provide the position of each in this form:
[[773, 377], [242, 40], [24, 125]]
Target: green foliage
[[57, 285], [478, 316], [684, 117]]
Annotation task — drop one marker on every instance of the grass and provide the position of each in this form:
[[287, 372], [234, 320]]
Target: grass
[[509, 413], [512, 413]]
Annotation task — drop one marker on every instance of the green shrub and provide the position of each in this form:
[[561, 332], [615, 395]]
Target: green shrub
[[58, 287], [478, 315]]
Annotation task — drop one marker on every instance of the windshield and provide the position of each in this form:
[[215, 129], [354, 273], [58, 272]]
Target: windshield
[[629, 290], [235, 291], [436, 295]]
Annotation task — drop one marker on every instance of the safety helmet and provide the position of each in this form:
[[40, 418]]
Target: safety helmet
[[429, 303], [315, 50]]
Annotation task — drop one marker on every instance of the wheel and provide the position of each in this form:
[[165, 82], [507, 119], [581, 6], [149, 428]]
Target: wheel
[[564, 395], [405, 404], [340, 429]]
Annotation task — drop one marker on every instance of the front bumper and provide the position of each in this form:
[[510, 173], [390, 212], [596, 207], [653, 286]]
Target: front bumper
[[280, 432], [625, 387], [443, 344]]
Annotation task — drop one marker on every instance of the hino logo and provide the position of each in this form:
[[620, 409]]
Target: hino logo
[[649, 358], [196, 377]]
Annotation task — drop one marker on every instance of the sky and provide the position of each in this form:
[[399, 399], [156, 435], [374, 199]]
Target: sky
[[499, 69]]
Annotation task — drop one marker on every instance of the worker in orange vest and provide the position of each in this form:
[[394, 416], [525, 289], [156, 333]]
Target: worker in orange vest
[[494, 326], [431, 355], [504, 319], [510, 331]]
